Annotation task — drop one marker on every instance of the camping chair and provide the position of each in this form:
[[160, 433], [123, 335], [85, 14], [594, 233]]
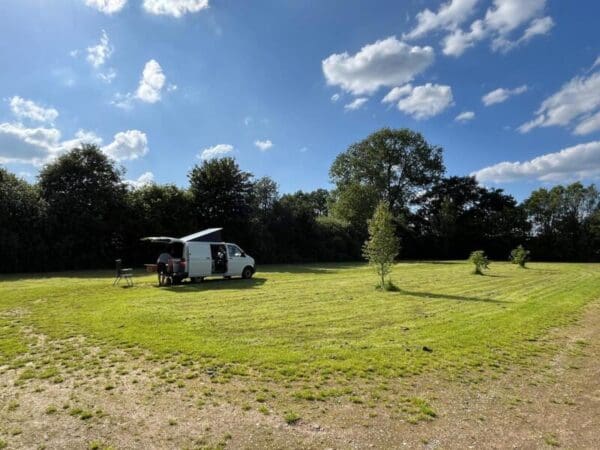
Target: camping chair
[[123, 273]]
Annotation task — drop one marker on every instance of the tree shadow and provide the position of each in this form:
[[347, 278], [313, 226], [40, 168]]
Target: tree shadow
[[313, 268], [431, 295], [215, 285]]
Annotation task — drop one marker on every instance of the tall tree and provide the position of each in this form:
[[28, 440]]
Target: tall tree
[[222, 196], [391, 165], [21, 223], [85, 196]]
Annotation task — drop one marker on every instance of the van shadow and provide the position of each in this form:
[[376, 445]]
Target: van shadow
[[431, 295], [216, 285]]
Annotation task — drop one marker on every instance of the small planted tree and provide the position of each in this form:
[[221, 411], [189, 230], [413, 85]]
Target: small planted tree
[[382, 246], [480, 261], [519, 256]]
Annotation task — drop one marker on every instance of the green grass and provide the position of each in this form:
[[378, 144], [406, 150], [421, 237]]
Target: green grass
[[306, 321]]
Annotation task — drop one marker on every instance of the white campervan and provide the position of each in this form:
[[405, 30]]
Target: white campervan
[[203, 254]]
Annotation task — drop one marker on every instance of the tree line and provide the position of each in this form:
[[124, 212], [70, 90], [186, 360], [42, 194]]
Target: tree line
[[81, 214]]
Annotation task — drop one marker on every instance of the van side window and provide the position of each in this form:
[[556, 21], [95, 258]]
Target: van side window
[[231, 250], [234, 250]]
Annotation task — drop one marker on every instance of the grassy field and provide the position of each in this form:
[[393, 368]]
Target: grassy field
[[291, 336]]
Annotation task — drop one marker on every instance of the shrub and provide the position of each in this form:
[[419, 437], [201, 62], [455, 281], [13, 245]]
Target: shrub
[[519, 256], [480, 261]]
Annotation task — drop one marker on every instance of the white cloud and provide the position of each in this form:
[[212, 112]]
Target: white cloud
[[19, 144], [174, 8], [144, 179], [335, 97], [263, 146], [98, 54], [421, 102], [577, 101], [396, 93], [465, 116], [501, 95], [37, 146], [577, 162], [588, 125], [127, 145], [152, 81], [388, 62], [596, 63], [538, 27], [449, 16], [151, 85], [504, 18], [123, 101], [215, 151], [355, 104], [107, 6], [27, 109], [108, 76]]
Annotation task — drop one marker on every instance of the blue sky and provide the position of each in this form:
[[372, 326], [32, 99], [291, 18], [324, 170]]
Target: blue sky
[[286, 85]]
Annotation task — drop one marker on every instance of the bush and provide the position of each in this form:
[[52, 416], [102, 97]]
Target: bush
[[519, 256], [480, 260]]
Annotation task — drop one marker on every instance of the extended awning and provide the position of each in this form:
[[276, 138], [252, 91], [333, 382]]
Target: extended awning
[[208, 235], [160, 239]]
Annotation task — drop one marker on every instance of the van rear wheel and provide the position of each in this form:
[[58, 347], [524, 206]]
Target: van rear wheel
[[247, 273]]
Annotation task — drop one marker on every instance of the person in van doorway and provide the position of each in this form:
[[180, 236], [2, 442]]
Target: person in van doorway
[[162, 263], [221, 259]]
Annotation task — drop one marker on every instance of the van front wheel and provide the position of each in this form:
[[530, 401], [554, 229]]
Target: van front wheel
[[247, 273]]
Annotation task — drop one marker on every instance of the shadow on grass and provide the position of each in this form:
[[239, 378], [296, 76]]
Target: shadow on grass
[[313, 268], [215, 285], [431, 295]]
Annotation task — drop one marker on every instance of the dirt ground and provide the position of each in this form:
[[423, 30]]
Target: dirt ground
[[137, 403]]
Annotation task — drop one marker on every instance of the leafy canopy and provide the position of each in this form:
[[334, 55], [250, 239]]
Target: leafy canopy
[[480, 260], [382, 246]]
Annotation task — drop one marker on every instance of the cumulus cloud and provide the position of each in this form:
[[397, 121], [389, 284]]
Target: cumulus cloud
[[40, 145], [421, 102], [335, 97], [28, 109], [151, 84], [355, 104], [580, 161], [98, 54], [501, 95], [263, 146], [465, 116], [150, 88], [107, 6], [174, 8], [127, 145], [449, 16], [216, 151], [387, 62], [576, 102], [144, 179], [499, 22], [37, 146]]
